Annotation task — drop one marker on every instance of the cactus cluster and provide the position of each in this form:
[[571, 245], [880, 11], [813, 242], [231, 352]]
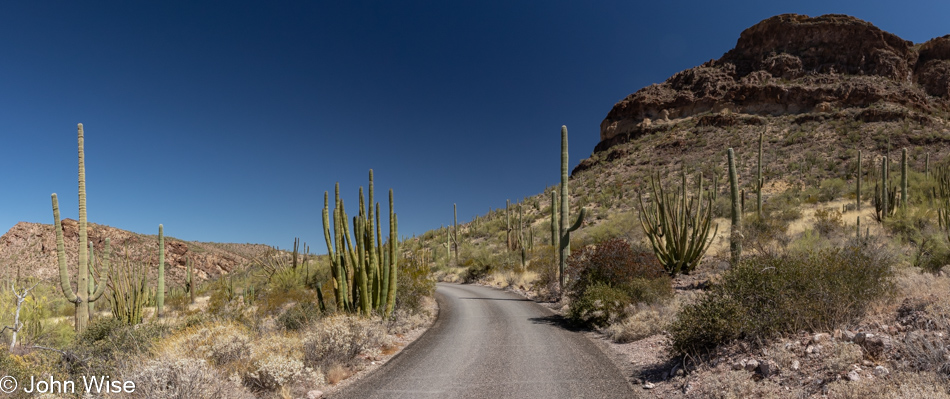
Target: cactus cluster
[[364, 269], [678, 227]]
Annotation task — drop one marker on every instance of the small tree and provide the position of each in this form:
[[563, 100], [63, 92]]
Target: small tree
[[20, 297]]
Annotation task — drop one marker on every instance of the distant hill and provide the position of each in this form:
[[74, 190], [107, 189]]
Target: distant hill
[[819, 88], [29, 249]]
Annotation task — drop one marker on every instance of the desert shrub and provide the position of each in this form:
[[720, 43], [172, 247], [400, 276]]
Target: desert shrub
[[624, 225], [544, 262], [722, 207], [760, 232], [827, 221], [613, 263], [220, 344], [108, 343], [276, 362], [607, 278], [414, 282], [299, 315], [911, 225], [182, 378], [932, 254], [339, 339], [403, 321], [765, 296], [602, 304], [831, 189], [641, 321], [478, 262]]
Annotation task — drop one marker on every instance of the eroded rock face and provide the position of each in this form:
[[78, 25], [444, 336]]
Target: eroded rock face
[[791, 64]]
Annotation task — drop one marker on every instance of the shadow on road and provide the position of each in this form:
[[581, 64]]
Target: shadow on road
[[500, 299], [558, 321]]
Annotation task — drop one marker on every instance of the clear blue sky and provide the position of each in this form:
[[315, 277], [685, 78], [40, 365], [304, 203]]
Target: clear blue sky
[[226, 121]]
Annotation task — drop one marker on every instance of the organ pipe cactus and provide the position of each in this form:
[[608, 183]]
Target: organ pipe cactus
[[678, 227], [81, 296], [362, 280], [564, 236]]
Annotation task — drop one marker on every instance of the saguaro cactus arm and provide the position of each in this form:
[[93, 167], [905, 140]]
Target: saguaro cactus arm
[[61, 255]]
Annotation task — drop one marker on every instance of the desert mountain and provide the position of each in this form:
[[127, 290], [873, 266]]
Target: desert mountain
[[793, 76], [29, 249]]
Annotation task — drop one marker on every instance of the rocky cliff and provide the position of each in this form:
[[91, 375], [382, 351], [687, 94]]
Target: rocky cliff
[[833, 65], [29, 249]]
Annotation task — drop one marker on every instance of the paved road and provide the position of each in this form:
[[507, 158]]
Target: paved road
[[488, 343]]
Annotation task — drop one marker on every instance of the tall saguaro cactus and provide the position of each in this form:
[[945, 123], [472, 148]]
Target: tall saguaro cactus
[[857, 190], [554, 223], [81, 296], [735, 239], [904, 192], [759, 182], [564, 237], [160, 291]]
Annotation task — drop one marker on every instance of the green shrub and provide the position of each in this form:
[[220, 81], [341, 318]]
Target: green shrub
[[604, 279], [831, 189], [827, 221], [544, 262], [766, 296], [414, 282], [299, 315]]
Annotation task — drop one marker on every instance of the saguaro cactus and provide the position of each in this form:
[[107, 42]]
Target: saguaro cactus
[[857, 191], [904, 192], [455, 232], [554, 223], [735, 239], [81, 297], [564, 238], [160, 291], [759, 182]]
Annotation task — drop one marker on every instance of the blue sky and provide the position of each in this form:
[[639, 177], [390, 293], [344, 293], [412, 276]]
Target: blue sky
[[226, 121]]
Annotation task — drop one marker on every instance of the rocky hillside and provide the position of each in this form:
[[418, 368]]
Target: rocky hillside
[[828, 82], [29, 249]]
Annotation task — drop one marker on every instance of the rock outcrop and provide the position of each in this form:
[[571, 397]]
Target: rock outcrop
[[30, 250], [793, 64]]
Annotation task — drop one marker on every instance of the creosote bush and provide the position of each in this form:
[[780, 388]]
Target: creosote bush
[[606, 278], [414, 282], [827, 221], [765, 296]]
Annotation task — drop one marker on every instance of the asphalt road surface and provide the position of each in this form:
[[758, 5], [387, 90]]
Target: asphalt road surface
[[488, 343]]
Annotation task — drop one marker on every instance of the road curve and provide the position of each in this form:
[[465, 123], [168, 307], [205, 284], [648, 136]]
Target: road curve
[[488, 343]]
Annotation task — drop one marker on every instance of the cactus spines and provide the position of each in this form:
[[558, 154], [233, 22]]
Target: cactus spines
[[81, 297], [564, 238], [160, 291], [904, 193], [735, 240]]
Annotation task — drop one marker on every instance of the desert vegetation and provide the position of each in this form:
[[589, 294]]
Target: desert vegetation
[[265, 329]]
